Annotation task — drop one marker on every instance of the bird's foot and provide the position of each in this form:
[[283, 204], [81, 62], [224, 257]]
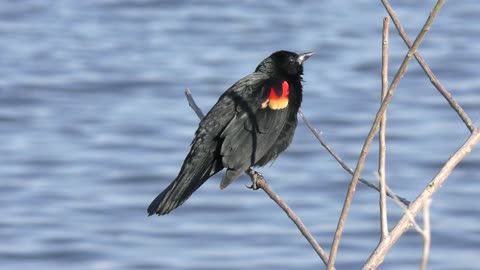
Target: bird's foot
[[257, 179]]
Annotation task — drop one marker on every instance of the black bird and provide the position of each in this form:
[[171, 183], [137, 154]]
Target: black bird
[[250, 125]]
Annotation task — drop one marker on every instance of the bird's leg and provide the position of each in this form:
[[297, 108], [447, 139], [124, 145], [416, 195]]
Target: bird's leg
[[257, 179]]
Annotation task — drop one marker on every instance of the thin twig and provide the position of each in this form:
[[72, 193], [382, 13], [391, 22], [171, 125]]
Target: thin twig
[[377, 256], [261, 183], [342, 163], [426, 234], [433, 79], [381, 135], [407, 213], [371, 134], [193, 104]]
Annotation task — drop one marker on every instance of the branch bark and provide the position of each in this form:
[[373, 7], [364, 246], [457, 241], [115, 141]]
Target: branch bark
[[381, 134], [426, 234]]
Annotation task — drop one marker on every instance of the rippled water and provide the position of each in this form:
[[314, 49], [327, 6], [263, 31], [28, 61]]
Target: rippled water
[[94, 124]]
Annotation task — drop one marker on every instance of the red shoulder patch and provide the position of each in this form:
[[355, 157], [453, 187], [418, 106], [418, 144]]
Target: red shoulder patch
[[285, 89], [276, 102]]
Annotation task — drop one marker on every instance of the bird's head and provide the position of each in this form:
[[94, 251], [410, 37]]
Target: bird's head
[[284, 63]]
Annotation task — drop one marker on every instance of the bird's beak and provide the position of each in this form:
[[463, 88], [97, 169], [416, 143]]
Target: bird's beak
[[302, 57]]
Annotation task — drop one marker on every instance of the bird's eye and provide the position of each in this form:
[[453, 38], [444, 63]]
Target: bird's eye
[[291, 59]]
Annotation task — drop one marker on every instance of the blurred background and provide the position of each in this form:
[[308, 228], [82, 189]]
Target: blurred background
[[94, 124]]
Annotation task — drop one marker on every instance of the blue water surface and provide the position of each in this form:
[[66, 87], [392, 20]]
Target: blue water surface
[[94, 124]]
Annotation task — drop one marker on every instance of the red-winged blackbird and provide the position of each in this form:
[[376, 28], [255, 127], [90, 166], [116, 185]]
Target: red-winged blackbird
[[250, 125]]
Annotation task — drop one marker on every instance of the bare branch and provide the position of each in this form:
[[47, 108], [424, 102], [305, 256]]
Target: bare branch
[[371, 134], [426, 234], [381, 134], [193, 104], [433, 79], [342, 163], [407, 213], [377, 256]]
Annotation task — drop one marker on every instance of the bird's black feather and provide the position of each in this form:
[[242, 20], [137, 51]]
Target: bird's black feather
[[240, 131]]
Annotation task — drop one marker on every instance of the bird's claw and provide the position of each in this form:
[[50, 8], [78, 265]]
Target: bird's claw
[[253, 186], [256, 178]]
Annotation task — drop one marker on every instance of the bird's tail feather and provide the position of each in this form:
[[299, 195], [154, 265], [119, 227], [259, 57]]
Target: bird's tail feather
[[181, 188]]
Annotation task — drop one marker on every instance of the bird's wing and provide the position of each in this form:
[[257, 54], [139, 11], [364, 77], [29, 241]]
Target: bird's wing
[[252, 131], [204, 159]]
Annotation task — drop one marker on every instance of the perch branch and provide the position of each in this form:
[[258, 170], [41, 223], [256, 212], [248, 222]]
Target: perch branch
[[371, 134], [261, 183], [259, 180]]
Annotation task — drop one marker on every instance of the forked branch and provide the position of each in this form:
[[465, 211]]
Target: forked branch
[[384, 246], [371, 134], [433, 79]]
